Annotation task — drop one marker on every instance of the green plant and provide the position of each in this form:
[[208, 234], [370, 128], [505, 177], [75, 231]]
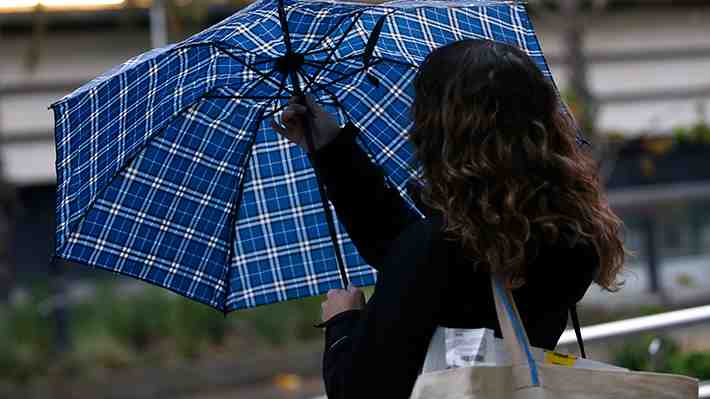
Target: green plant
[[270, 323], [635, 355], [140, 320], [118, 328], [193, 324], [309, 313], [685, 280], [681, 134], [649, 310], [25, 341], [104, 351], [694, 364], [282, 323], [699, 132]]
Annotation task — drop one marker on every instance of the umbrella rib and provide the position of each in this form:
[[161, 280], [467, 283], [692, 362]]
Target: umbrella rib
[[323, 68], [336, 102], [362, 69], [347, 116], [309, 81], [274, 112], [238, 97], [232, 220], [336, 59], [340, 79], [284, 26], [282, 86], [341, 39], [244, 95], [325, 50], [315, 87], [330, 55], [255, 85], [311, 49], [263, 62], [266, 77], [128, 161], [403, 63], [411, 169]]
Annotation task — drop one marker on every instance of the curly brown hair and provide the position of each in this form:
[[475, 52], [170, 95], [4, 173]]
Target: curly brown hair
[[501, 163]]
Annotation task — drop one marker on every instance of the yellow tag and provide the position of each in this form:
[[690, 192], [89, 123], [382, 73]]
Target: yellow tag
[[560, 359]]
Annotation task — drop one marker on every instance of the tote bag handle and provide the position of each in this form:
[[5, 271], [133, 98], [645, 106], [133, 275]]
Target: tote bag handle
[[514, 336]]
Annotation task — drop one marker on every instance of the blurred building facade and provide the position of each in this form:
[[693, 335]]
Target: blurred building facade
[[648, 69]]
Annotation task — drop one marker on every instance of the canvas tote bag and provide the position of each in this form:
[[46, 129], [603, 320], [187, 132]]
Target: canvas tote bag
[[528, 379]]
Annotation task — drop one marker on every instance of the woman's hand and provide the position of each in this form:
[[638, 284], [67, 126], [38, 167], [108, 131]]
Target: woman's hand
[[325, 126], [339, 301]]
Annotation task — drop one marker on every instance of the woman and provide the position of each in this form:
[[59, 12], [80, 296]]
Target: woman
[[508, 191]]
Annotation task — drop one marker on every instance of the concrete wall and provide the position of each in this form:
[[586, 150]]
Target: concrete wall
[[642, 30], [24, 118]]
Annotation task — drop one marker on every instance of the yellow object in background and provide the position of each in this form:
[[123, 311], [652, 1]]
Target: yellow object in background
[[288, 382]]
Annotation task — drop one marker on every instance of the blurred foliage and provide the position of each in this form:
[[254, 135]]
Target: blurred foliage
[[118, 328], [686, 280], [695, 364], [299, 319], [572, 100], [635, 355], [25, 339], [193, 325], [699, 133]]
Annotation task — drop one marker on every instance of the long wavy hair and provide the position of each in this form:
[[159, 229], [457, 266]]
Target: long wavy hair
[[501, 163]]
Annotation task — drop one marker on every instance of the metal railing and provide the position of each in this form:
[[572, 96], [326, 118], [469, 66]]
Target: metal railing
[[704, 391], [655, 323]]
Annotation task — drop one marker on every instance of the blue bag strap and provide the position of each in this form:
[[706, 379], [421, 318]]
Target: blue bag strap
[[513, 330]]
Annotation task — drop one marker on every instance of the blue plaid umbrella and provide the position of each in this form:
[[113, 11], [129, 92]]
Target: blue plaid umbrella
[[168, 169]]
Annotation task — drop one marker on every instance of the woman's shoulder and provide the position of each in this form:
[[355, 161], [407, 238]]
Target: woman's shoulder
[[563, 273], [420, 241], [439, 251], [430, 229], [557, 265]]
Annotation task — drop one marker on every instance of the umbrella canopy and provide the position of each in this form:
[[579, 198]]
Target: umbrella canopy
[[168, 169]]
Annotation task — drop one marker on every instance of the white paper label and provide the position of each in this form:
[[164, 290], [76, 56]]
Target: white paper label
[[467, 347]]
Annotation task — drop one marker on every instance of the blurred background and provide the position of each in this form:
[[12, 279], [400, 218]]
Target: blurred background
[[635, 73]]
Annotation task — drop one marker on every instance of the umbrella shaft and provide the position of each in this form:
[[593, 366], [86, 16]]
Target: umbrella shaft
[[308, 125]]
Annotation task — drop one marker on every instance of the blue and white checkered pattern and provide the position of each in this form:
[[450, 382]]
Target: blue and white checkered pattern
[[168, 169]]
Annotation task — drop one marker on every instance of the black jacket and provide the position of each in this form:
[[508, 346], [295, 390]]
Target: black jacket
[[424, 281]]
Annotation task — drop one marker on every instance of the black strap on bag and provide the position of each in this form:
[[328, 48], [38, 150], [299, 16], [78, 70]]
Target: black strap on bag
[[577, 330]]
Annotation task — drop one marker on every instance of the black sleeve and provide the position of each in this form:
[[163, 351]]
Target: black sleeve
[[372, 211], [379, 351]]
